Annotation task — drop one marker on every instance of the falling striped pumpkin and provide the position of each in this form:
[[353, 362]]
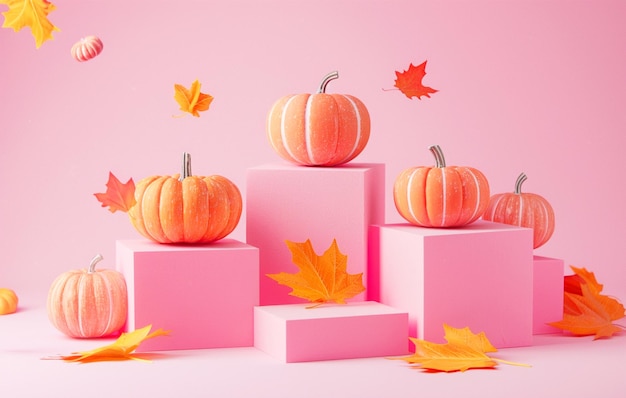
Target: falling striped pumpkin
[[319, 129], [87, 48], [441, 196], [523, 209]]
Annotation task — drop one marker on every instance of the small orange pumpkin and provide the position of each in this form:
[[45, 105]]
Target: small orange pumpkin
[[527, 210], [441, 196], [185, 208], [8, 301], [319, 129], [88, 302]]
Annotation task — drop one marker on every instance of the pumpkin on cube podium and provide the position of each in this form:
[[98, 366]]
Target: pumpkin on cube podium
[[441, 196], [319, 129], [523, 209], [185, 208], [88, 303]]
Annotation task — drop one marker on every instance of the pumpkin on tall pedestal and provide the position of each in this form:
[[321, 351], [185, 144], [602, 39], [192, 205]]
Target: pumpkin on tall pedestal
[[441, 196], [319, 129], [523, 209]]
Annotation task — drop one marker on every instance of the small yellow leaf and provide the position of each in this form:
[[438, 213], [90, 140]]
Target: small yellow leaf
[[192, 100]]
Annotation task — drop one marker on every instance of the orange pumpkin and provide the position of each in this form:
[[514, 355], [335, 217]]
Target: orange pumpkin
[[441, 196], [319, 129], [523, 209], [8, 301], [88, 302], [185, 208]]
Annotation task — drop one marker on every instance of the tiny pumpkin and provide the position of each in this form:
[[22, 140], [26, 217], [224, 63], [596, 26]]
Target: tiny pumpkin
[[441, 196], [523, 209], [8, 301], [319, 129], [185, 208], [87, 302]]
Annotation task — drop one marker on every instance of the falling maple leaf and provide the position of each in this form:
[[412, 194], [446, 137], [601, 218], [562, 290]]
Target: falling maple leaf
[[464, 350], [410, 82], [321, 279], [121, 349], [31, 13], [118, 196], [587, 312], [192, 100]]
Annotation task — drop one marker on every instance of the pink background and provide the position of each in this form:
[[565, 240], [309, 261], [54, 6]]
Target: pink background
[[533, 86]]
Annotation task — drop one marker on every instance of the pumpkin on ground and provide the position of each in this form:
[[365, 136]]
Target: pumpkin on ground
[[185, 208], [8, 301], [523, 209], [88, 303], [441, 196], [319, 129]]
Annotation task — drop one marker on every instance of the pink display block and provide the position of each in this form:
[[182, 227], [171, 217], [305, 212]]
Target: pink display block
[[296, 203], [479, 276], [204, 294], [293, 333], [548, 274]]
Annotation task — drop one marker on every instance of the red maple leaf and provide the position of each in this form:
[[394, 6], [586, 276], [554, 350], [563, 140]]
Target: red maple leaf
[[410, 82], [118, 196]]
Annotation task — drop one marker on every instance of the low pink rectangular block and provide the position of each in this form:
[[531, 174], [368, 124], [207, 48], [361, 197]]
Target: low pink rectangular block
[[204, 294], [548, 274], [293, 333], [296, 203], [479, 276]]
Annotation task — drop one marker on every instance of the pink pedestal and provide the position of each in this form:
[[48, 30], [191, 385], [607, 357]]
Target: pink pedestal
[[293, 333], [296, 203], [480, 276], [204, 294], [548, 274]]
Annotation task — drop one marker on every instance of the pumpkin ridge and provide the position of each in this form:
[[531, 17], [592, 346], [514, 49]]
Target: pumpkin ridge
[[285, 127]]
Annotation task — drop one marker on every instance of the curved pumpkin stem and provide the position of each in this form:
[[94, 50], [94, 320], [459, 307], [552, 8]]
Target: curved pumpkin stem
[[186, 171], [331, 76], [440, 161], [92, 264], [518, 184]]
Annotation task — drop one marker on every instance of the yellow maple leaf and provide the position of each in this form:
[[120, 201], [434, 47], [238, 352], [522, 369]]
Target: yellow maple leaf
[[121, 349], [192, 100], [31, 13], [321, 279], [464, 350]]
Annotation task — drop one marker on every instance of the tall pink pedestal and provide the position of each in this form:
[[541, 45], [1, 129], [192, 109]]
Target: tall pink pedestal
[[296, 203], [204, 294], [548, 274], [480, 276], [293, 333]]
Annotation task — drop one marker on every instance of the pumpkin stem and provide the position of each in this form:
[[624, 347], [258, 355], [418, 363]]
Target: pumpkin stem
[[440, 161], [186, 172], [518, 184], [92, 264], [331, 76]]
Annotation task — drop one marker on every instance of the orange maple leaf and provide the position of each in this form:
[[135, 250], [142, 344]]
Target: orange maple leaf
[[410, 82], [118, 196], [31, 13], [321, 279], [464, 350], [192, 100], [121, 349]]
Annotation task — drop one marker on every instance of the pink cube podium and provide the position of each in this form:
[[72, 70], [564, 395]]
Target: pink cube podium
[[204, 294], [294, 333], [480, 276], [548, 274], [296, 203]]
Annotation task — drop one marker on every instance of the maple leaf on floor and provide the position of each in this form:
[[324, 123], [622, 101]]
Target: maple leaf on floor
[[121, 349], [464, 350], [321, 279], [192, 100], [410, 82], [118, 196], [31, 13]]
